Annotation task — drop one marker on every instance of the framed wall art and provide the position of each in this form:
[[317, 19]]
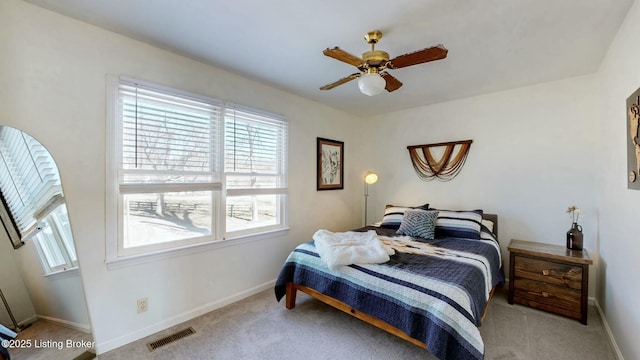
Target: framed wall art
[[330, 164], [633, 141]]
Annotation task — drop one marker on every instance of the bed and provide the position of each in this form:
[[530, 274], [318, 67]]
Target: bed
[[434, 298]]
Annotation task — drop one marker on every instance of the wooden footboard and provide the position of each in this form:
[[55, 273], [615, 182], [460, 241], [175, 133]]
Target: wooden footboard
[[290, 303]]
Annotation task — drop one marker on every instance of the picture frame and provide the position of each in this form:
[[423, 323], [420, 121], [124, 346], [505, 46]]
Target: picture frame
[[330, 164], [633, 140]]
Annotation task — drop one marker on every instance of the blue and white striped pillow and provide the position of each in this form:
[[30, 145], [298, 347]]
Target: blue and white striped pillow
[[393, 215], [459, 224]]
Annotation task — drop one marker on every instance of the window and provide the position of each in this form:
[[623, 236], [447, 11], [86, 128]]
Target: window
[[185, 170], [255, 164], [54, 242], [168, 173], [32, 195]]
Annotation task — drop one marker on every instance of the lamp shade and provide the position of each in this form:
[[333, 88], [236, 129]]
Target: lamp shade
[[371, 84], [370, 178]]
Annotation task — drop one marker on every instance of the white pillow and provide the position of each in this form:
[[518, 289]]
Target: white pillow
[[488, 224]]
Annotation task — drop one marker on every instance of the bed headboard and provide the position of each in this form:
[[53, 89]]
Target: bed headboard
[[494, 218]]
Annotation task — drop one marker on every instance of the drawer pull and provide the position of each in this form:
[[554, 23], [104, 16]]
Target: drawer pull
[[545, 272], [545, 294]]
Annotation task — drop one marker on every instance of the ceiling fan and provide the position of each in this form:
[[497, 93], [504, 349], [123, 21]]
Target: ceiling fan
[[373, 65]]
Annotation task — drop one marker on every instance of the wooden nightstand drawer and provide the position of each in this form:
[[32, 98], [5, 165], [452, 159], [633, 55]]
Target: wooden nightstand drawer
[[550, 278], [566, 275], [544, 293]]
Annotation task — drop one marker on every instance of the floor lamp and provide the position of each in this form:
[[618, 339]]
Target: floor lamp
[[16, 327], [369, 178]]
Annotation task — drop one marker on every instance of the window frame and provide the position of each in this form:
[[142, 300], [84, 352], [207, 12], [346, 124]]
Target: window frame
[[115, 257], [280, 191], [59, 241]]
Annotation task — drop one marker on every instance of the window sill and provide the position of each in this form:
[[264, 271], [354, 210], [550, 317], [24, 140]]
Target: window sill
[[63, 274], [131, 260]]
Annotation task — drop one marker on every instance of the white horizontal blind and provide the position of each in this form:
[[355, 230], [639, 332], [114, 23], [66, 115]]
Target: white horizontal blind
[[29, 178], [167, 139], [255, 156], [168, 151]]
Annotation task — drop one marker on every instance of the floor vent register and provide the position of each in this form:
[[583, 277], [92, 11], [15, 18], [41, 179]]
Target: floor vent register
[[170, 338]]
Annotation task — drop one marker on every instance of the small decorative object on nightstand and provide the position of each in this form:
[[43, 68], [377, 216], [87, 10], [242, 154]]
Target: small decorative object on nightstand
[[574, 235], [550, 278]]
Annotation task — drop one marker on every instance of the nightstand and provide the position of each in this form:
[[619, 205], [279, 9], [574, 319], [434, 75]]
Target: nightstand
[[550, 278]]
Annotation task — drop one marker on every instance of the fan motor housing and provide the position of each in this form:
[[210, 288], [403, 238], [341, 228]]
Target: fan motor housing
[[375, 57]]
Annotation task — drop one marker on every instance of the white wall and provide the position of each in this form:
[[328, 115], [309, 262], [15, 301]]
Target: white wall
[[618, 285], [12, 286], [52, 85], [58, 297], [532, 156]]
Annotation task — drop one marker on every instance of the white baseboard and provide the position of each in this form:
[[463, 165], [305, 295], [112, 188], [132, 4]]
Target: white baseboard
[[109, 345], [28, 321], [85, 328], [607, 329]]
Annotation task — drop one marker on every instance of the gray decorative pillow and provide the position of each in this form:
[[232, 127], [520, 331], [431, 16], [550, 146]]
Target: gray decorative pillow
[[419, 223]]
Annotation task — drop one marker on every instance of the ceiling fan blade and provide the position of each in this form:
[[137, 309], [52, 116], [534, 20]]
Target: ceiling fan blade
[[341, 81], [343, 56], [393, 84], [418, 57]]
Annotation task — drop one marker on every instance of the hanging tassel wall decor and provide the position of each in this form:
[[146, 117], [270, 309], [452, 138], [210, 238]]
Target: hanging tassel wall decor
[[446, 167]]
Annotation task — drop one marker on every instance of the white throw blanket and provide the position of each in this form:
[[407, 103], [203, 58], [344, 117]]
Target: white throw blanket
[[350, 247], [7, 332]]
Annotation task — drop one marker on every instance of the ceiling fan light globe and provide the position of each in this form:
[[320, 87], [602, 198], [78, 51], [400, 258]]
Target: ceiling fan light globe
[[371, 84]]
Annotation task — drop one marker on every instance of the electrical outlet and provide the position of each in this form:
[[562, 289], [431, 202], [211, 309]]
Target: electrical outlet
[[143, 305]]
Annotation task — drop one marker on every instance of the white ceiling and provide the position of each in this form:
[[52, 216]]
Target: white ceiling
[[493, 44]]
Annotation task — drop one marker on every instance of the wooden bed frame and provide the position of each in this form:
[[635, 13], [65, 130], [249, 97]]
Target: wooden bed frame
[[292, 289]]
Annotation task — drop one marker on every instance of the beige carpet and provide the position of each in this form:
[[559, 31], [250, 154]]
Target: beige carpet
[[260, 328], [45, 340]]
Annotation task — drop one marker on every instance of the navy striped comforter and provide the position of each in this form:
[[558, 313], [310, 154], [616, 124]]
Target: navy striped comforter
[[435, 298]]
